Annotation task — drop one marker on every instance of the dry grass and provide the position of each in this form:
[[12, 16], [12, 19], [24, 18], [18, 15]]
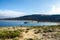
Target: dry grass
[[32, 33]]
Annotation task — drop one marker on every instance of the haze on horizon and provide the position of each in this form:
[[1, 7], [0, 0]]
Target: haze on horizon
[[16, 8]]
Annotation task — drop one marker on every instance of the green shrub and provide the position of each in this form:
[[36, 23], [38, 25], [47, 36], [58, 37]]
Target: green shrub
[[45, 31], [30, 39], [9, 34]]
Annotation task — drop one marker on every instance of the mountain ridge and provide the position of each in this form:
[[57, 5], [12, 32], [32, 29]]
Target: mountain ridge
[[36, 17]]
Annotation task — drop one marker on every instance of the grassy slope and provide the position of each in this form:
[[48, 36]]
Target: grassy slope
[[30, 33]]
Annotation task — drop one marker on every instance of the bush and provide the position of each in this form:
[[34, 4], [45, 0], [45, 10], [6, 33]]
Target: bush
[[45, 31], [9, 34], [30, 39]]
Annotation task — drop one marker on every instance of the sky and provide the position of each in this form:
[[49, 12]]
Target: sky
[[16, 8]]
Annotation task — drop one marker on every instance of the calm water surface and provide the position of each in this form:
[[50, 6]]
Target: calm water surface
[[25, 23]]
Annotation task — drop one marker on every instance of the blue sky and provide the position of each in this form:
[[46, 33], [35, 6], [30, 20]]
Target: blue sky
[[15, 8]]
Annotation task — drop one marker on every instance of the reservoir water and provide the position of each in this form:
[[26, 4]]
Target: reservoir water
[[25, 23]]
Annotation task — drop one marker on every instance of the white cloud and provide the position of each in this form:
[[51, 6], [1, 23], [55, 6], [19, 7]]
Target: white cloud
[[10, 13], [54, 10]]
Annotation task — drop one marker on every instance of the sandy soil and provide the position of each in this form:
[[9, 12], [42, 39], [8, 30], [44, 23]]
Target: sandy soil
[[38, 33]]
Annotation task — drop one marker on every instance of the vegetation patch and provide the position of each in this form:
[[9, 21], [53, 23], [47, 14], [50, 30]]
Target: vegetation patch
[[9, 34]]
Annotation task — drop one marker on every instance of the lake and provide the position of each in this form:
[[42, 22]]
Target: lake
[[25, 23]]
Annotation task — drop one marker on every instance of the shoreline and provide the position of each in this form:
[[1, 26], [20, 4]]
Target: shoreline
[[35, 21]]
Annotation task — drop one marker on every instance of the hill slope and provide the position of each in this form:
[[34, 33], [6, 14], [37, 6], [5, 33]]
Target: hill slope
[[50, 18]]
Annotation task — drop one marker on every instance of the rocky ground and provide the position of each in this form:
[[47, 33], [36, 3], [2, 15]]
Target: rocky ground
[[32, 33]]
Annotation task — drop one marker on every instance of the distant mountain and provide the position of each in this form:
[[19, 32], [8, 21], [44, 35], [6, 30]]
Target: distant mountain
[[50, 18]]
